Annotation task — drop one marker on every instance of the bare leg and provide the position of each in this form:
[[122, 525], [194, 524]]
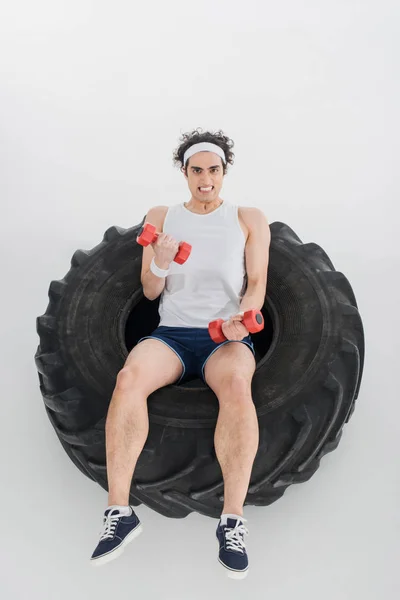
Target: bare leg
[[236, 442], [127, 428]]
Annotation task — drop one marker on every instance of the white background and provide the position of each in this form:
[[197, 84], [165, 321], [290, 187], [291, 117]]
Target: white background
[[93, 99]]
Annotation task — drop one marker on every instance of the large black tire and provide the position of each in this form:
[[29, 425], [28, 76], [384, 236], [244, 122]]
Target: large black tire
[[309, 356]]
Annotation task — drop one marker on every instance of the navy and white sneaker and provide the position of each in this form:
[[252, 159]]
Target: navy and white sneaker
[[232, 550], [118, 530]]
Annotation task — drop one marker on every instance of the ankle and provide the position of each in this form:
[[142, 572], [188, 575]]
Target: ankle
[[233, 511], [115, 501]]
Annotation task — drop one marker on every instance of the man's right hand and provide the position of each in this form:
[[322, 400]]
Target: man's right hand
[[165, 249]]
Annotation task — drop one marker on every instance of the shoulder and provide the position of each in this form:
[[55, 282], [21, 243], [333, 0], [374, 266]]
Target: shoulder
[[156, 216], [252, 216]]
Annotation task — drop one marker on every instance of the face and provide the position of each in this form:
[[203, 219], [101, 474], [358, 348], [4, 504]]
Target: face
[[205, 170]]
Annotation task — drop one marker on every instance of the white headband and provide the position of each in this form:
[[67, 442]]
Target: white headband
[[204, 147]]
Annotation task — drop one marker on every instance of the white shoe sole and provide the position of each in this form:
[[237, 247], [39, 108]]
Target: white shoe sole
[[105, 558], [230, 572]]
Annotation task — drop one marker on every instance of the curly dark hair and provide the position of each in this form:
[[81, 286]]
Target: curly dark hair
[[196, 136]]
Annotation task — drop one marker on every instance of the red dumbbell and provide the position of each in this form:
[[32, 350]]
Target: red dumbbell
[[148, 234], [252, 320]]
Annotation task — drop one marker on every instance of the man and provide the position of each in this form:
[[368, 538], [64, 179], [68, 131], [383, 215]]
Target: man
[[225, 274]]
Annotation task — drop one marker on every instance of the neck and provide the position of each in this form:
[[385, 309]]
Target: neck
[[203, 207]]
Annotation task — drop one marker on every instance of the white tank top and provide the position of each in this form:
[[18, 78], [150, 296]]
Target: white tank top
[[213, 280]]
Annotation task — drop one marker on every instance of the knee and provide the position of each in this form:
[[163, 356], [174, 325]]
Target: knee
[[236, 385], [126, 379]]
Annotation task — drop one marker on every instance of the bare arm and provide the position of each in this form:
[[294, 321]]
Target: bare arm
[[153, 286]]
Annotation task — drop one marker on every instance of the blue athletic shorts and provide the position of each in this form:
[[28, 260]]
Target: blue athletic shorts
[[193, 346]]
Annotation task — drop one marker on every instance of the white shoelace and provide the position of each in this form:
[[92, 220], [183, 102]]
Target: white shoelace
[[110, 523], [233, 537]]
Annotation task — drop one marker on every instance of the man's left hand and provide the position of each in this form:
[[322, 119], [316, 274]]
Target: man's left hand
[[233, 329]]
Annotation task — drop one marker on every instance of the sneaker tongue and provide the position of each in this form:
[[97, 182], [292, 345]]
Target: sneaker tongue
[[114, 509], [125, 511], [232, 522]]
